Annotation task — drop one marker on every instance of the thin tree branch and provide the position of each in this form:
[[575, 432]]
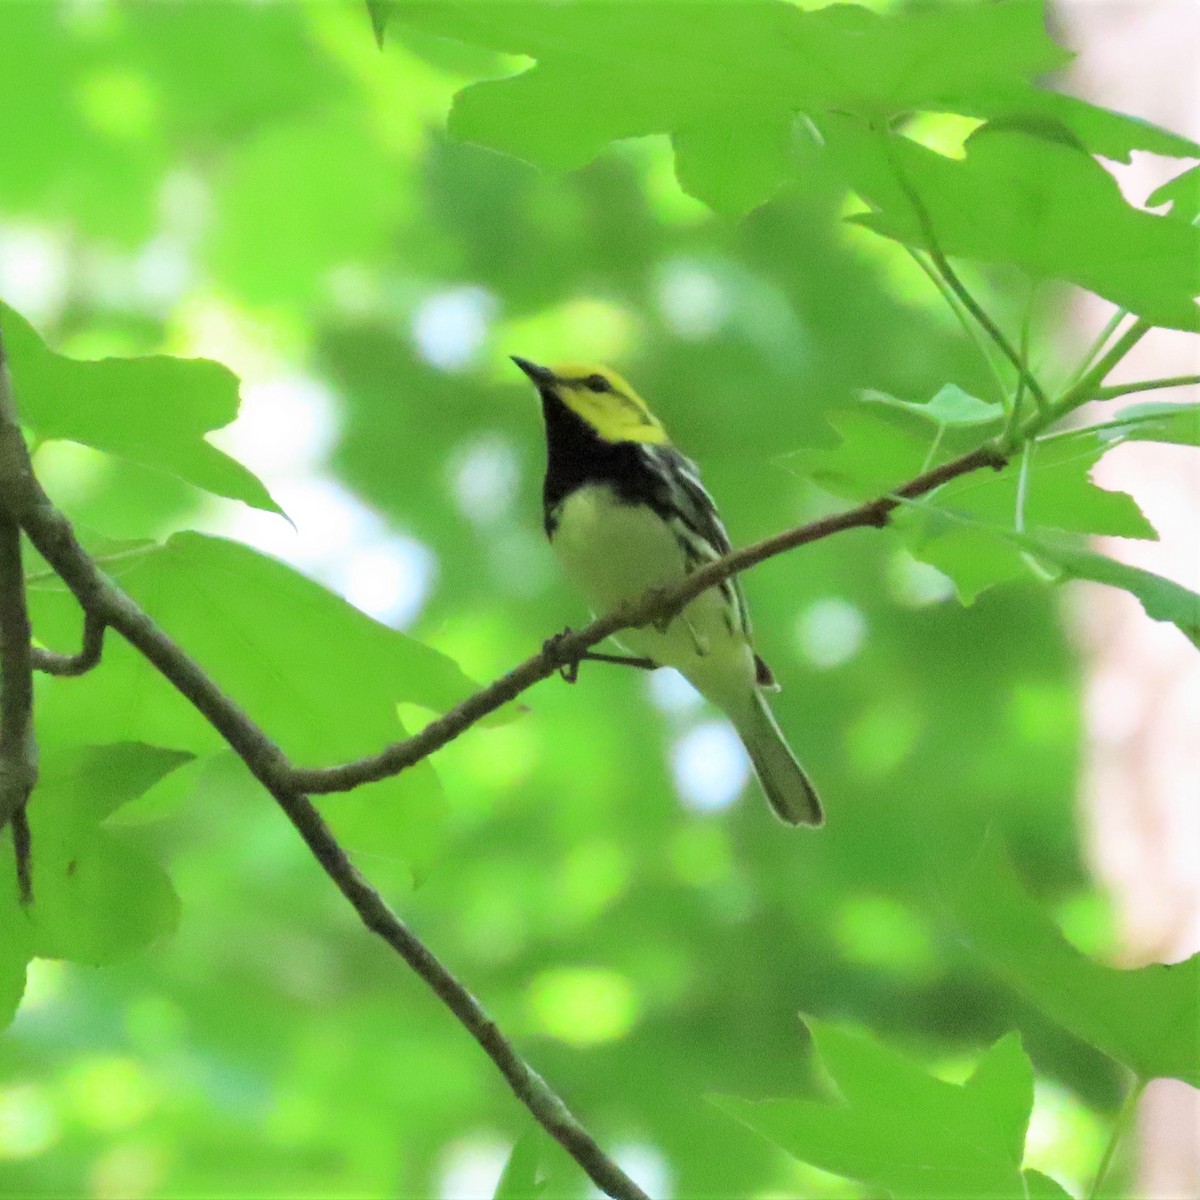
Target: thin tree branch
[[654, 606], [75, 664], [1088, 387], [1145, 385], [18, 753], [50, 532]]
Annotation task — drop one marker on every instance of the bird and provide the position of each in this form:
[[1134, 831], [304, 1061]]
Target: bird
[[626, 512]]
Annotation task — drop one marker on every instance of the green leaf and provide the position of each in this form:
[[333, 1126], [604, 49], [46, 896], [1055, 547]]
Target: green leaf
[[96, 897], [154, 411], [319, 676], [1045, 207], [875, 456], [1146, 1018], [651, 73], [1156, 421], [955, 529], [1101, 131], [1183, 195], [519, 1179], [951, 406], [734, 167], [1163, 599], [962, 545], [901, 1130]]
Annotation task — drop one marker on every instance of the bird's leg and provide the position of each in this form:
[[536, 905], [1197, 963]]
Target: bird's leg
[[623, 660], [570, 670]]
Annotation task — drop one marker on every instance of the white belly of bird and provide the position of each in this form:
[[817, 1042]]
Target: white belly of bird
[[613, 553]]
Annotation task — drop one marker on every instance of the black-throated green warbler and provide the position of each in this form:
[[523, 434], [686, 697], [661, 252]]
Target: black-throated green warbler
[[626, 512]]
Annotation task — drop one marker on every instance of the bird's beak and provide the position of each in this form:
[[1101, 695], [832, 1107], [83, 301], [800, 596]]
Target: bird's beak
[[542, 376]]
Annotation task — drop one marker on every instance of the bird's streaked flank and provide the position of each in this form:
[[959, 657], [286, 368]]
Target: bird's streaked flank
[[626, 512]]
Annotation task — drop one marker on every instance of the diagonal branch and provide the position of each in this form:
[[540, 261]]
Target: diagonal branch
[[23, 498], [18, 753]]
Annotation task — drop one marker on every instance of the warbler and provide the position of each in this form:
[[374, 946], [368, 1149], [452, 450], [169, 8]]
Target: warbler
[[625, 512]]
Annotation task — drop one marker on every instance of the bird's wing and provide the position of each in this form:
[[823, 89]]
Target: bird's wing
[[683, 501]]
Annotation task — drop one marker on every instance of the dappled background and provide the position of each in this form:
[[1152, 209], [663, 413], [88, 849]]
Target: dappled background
[[260, 185]]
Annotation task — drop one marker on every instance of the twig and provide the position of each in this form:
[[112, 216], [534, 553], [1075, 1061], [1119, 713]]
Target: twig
[[18, 753], [653, 606], [956, 285], [1145, 385], [1088, 387], [1091, 353], [972, 330], [52, 535], [75, 664]]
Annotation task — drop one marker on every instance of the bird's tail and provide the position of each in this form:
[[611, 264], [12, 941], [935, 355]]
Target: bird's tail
[[783, 780]]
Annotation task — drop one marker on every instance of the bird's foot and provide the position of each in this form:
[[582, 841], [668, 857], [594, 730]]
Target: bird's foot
[[569, 670]]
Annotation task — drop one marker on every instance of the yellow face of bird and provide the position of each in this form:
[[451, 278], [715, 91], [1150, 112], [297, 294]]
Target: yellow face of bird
[[602, 398]]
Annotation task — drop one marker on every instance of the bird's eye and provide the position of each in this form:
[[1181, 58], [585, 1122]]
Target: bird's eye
[[597, 383]]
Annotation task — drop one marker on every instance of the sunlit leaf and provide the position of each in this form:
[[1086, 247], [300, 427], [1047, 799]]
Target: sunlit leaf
[[1145, 1018], [651, 73], [876, 456], [96, 897], [951, 406], [1029, 201], [1163, 599], [1058, 494], [1112, 135], [318, 675], [901, 1130], [1183, 195], [1149, 422], [155, 411]]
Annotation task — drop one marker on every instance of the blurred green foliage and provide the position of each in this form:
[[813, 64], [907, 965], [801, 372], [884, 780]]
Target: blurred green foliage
[[260, 185]]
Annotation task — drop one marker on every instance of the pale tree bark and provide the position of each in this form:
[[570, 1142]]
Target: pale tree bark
[[1142, 788]]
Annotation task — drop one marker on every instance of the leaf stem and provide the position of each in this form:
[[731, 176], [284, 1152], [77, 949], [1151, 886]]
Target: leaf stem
[[933, 448], [1120, 1127], [1023, 485], [1082, 391], [1145, 385], [1089, 355], [955, 284], [972, 330]]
